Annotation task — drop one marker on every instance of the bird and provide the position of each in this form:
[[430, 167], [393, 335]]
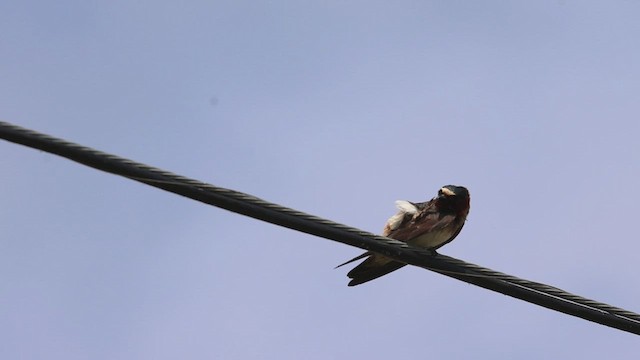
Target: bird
[[428, 225]]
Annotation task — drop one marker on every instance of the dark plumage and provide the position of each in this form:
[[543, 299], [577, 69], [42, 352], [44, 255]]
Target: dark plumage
[[430, 225]]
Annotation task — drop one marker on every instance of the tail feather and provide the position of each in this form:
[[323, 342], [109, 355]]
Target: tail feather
[[354, 259], [372, 268]]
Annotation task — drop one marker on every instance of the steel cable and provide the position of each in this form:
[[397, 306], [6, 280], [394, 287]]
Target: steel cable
[[534, 292]]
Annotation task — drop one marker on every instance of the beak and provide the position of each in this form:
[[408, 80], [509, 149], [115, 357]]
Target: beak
[[447, 192]]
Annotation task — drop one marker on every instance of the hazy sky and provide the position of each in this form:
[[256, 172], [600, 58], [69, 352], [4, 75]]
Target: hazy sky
[[337, 109]]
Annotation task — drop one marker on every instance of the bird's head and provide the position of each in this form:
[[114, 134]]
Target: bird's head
[[453, 199]]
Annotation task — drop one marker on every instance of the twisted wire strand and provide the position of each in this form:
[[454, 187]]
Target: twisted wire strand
[[548, 289], [534, 292]]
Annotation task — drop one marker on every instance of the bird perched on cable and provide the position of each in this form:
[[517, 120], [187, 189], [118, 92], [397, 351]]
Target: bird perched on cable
[[428, 225]]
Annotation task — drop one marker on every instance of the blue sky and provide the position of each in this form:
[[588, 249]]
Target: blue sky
[[337, 109]]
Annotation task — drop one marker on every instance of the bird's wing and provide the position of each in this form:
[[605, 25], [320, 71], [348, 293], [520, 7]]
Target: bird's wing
[[407, 211], [377, 265], [407, 225], [416, 226]]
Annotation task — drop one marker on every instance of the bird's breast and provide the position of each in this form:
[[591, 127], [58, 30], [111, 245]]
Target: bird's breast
[[432, 239]]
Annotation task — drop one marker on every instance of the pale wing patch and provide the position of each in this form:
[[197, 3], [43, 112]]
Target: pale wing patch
[[406, 207], [394, 222]]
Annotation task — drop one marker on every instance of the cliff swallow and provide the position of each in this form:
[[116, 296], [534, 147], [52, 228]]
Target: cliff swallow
[[429, 225]]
